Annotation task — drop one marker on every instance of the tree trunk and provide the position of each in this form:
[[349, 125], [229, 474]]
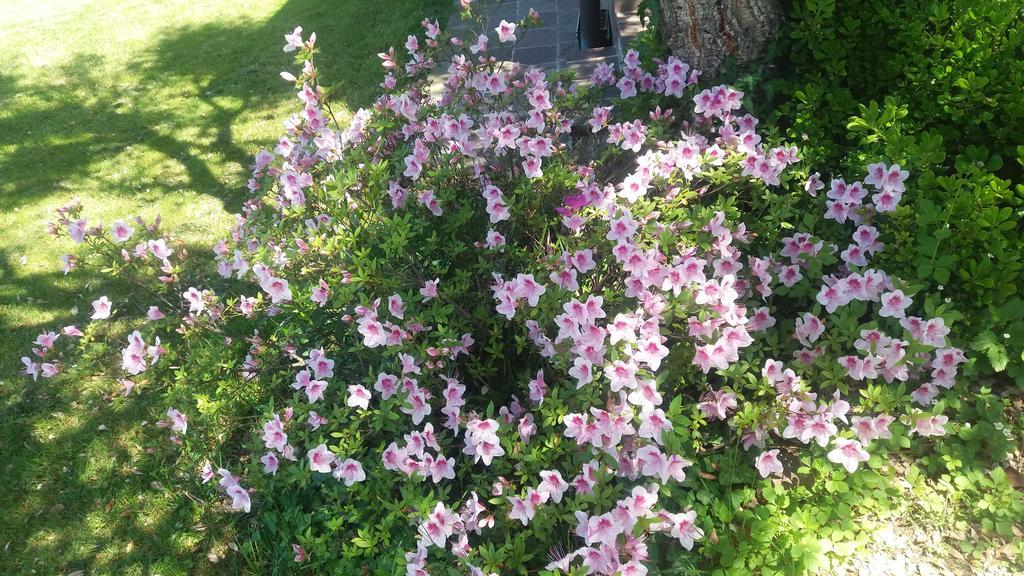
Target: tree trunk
[[703, 32]]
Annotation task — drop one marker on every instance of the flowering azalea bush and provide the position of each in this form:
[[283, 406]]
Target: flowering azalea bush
[[927, 85], [441, 339]]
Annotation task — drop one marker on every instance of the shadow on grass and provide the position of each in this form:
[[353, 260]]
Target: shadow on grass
[[82, 471], [85, 506], [67, 130], [54, 134], [75, 500], [63, 131]]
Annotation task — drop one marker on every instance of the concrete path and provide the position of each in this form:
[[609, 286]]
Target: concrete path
[[553, 45]]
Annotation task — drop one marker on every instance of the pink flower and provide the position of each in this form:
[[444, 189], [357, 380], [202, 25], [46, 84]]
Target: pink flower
[[832, 297], [409, 365], [387, 385], [654, 463], [179, 422], [652, 423], [350, 471], [809, 328], [68, 263], [102, 308], [49, 370], [417, 406], [651, 352], [925, 394], [300, 553], [482, 441], [239, 497], [274, 436], [77, 230], [506, 31], [321, 292], [527, 428], [195, 299], [930, 426], [31, 367], [276, 288], [270, 463], [206, 472], [293, 41], [683, 527], [439, 525], [120, 232], [894, 304], [553, 485], [934, 332], [480, 45], [632, 568], [528, 288], [521, 510], [302, 380], [581, 371], [575, 427], [711, 356], [768, 463], [315, 390], [599, 118], [864, 428], [537, 388], [442, 468], [603, 529], [790, 275], [494, 239], [47, 339], [886, 178], [373, 332], [859, 368], [849, 453], [315, 420], [532, 167], [854, 255], [429, 290], [396, 307], [627, 87], [881, 425], [867, 237], [358, 396], [133, 356], [717, 404], [159, 248], [320, 459], [323, 367], [621, 375], [813, 184], [886, 200], [818, 428]]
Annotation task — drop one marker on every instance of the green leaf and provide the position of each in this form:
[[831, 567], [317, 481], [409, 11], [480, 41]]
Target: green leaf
[[997, 357], [988, 343]]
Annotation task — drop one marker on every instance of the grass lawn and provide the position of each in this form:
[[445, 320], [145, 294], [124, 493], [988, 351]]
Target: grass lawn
[[137, 107]]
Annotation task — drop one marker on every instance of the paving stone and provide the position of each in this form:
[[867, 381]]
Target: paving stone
[[542, 5], [536, 55], [572, 51], [539, 37], [507, 12], [554, 46]]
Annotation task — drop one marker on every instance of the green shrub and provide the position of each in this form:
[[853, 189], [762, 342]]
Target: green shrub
[[598, 320], [936, 86]]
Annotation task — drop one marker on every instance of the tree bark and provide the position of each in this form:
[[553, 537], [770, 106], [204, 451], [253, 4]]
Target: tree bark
[[703, 32]]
